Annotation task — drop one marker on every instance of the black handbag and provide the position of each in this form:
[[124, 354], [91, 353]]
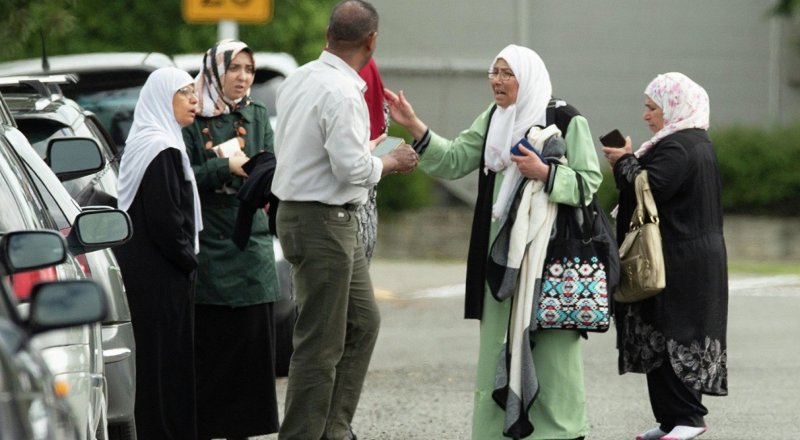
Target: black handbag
[[581, 267]]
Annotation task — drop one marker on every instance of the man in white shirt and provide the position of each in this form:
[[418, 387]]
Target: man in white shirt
[[324, 169]]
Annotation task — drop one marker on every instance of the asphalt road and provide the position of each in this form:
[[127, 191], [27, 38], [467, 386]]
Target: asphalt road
[[421, 376]]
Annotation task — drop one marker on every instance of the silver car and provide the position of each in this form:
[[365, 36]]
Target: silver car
[[32, 403], [75, 355], [43, 114]]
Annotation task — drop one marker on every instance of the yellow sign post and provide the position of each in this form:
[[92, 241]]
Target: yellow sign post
[[204, 11]]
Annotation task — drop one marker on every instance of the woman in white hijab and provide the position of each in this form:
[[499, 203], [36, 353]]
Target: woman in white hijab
[[547, 403], [157, 189], [678, 337]]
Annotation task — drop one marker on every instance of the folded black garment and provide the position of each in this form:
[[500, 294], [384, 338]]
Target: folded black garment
[[254, 194]]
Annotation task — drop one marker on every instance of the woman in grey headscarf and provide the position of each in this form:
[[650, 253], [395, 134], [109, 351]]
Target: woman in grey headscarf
[[158, 190]]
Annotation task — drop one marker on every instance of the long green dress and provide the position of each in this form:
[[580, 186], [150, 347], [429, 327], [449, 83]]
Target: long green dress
[[559, 411]]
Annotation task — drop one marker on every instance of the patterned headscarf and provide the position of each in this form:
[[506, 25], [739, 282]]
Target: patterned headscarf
[[684, 103], [210, 80]]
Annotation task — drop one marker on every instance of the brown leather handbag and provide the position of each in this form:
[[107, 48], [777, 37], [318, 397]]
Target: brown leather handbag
[[642, 271]]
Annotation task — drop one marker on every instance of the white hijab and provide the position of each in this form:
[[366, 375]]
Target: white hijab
[[155, 129], [684, 104], [508, 125]]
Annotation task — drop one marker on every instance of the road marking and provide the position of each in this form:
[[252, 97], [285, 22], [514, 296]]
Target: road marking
[[783, 286]]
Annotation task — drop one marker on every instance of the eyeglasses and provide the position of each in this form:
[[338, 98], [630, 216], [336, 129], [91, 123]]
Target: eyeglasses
[[503, 76], [187, 91]]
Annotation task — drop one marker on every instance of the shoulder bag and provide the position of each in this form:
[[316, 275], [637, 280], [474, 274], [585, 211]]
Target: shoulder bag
[[577, 270], [643, 274]]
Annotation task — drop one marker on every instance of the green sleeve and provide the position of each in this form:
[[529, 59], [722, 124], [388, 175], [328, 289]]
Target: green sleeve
[[211, 173], [269, 135], [453, 159], [581, 158]]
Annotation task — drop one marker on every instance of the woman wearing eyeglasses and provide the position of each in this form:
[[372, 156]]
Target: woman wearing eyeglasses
[[236, 287], [529, 383], [158, 190]]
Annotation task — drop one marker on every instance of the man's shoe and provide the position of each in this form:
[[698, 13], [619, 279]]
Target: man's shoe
[[653, 434], [681, 432]]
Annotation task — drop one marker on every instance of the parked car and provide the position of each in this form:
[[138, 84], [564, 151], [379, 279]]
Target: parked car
[[109, 82], [75, 355], [32, 401], [42, 113]]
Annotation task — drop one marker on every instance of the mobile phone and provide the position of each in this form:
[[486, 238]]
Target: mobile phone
[[613, 139], [387, 145], [515, 149]]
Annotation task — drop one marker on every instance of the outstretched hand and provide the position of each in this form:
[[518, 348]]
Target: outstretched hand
[[403, 113]]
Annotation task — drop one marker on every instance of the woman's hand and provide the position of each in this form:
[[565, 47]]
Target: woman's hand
[[530, 165], [401, 112], [613, 154]]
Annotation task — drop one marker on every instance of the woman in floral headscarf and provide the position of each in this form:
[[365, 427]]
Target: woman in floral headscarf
[[678, 336], [236, 288]]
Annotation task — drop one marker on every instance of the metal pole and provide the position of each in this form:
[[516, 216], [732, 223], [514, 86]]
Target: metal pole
[[523, 21], [774, 79], [228, 29]]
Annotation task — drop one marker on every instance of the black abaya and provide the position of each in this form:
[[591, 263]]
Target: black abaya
[[158, 267]]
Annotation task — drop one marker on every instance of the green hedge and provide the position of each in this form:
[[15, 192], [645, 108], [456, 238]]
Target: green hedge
[[399, 192], [760, 169]]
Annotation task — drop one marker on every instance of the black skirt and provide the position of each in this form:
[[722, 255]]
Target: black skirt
[[235, 364]]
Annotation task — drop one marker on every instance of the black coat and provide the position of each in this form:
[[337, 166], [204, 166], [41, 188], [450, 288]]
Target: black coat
[[158, 268], [686, 323]]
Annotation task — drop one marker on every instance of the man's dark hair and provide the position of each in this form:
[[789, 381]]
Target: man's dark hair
[[351, 22]]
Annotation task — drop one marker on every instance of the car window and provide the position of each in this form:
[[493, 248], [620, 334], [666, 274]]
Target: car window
[[21, 208], [114, 109], [265, 92], [50, 203], [40, 131]]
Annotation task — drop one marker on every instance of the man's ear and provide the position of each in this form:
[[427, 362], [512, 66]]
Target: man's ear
[[372, 42]]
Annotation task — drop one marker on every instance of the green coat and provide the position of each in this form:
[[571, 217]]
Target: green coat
[[226, 274], [559, 410]]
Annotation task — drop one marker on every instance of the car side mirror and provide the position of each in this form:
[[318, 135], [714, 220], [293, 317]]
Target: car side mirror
[[61, 304], [28, 250], [99, 229], [74, 157]]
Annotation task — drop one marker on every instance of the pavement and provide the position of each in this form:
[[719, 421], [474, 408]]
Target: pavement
[[420, 381]]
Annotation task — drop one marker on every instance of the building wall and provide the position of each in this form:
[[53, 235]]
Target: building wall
[[600, 54]]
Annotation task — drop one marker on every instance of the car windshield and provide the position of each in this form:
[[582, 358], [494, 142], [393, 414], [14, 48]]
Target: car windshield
[[114, 109]]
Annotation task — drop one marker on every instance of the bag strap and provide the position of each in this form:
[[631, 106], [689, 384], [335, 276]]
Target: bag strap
[[645, 204], [588, 219]]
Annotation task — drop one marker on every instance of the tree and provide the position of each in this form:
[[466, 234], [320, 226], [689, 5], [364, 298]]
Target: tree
[[297, 27], [24, 21], [786, 8]]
